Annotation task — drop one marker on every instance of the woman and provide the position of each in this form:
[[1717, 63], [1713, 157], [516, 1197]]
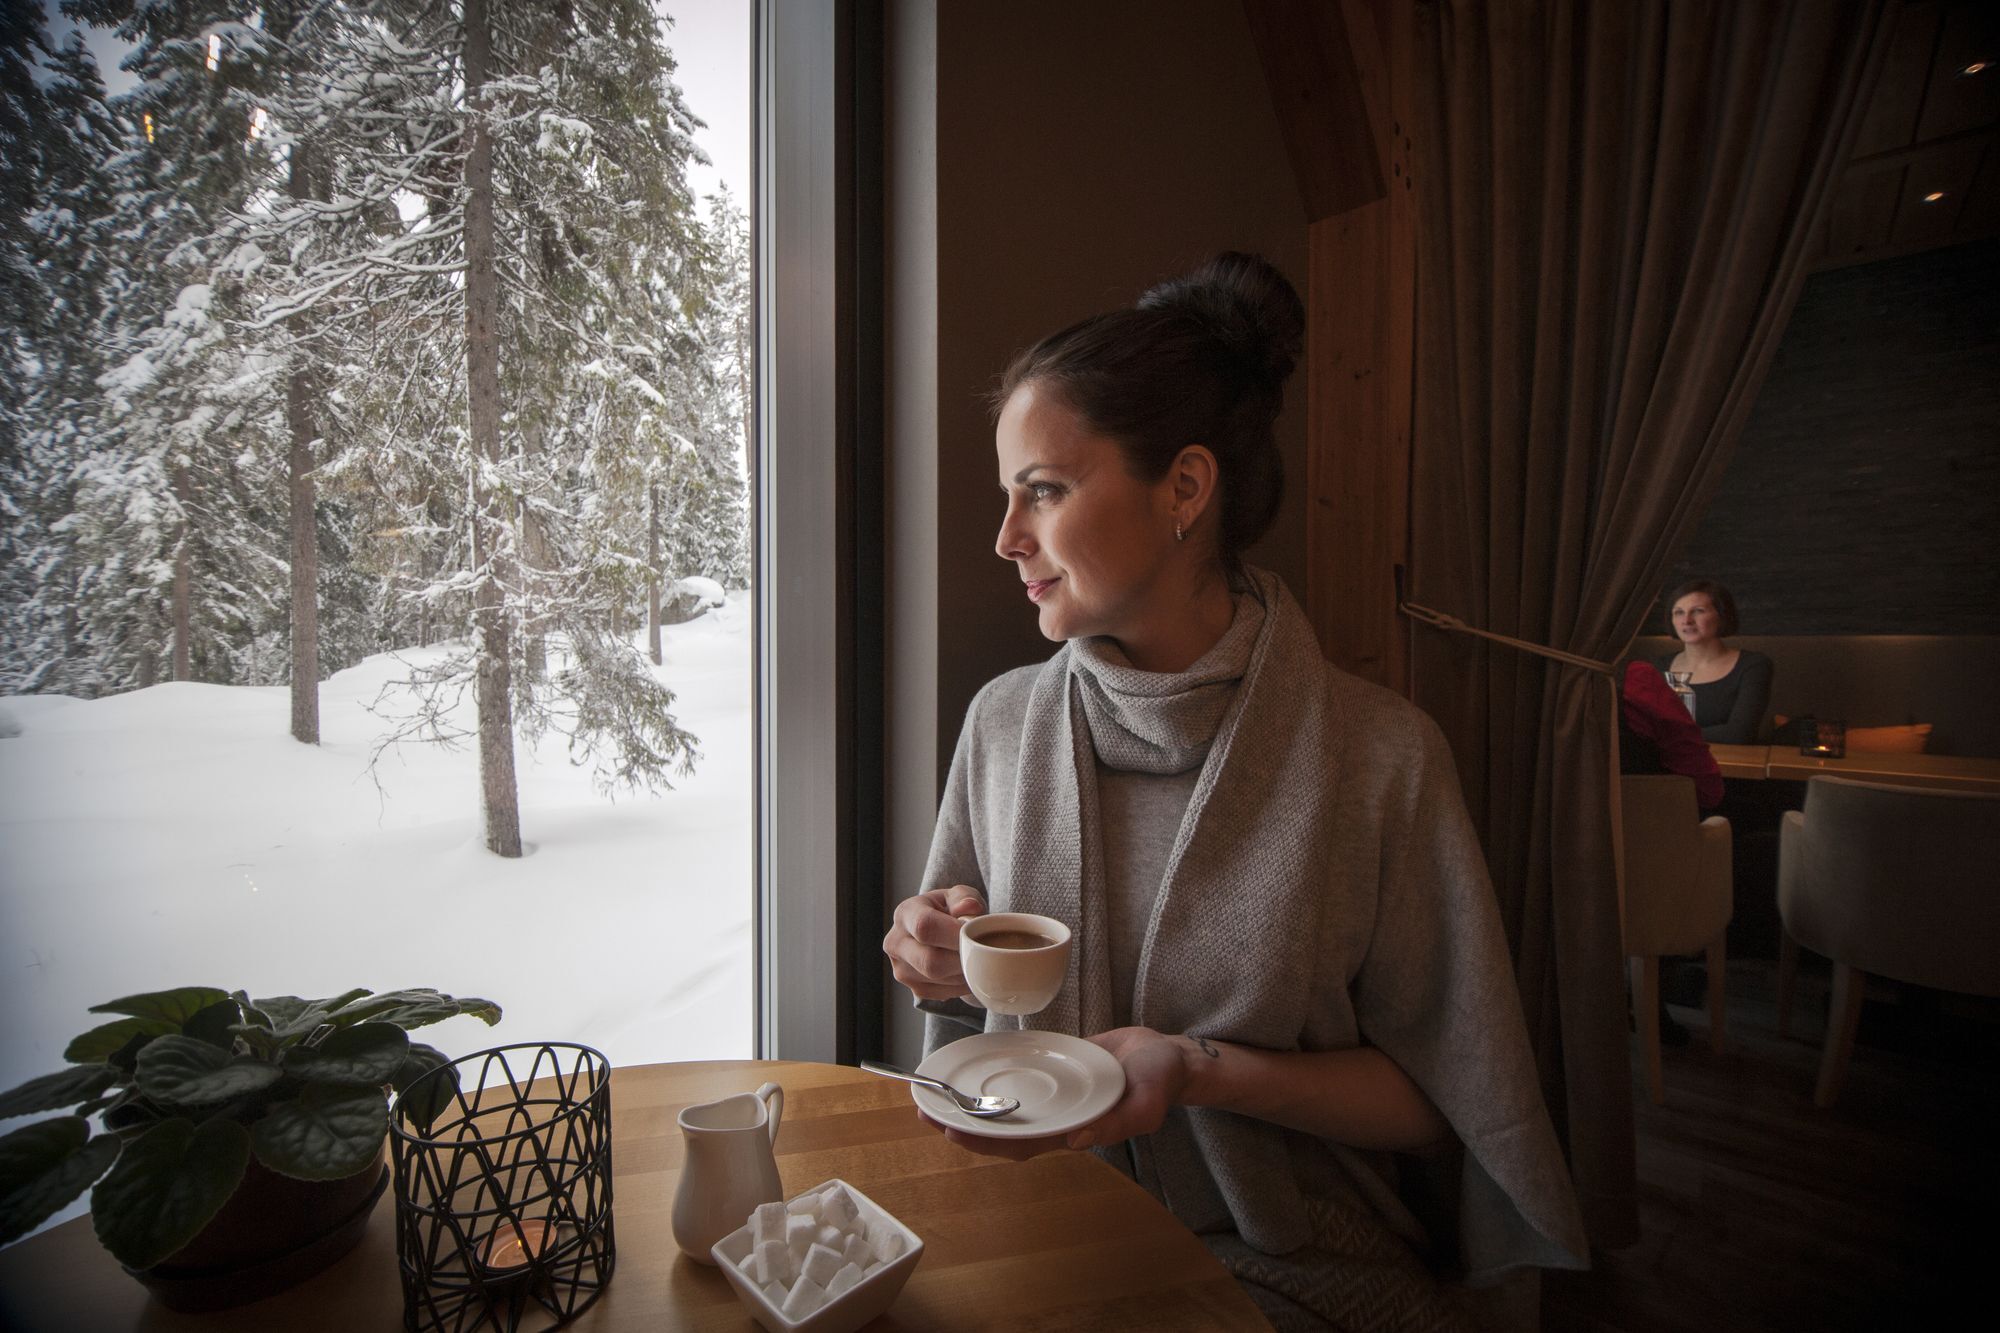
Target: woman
[[1732, 686], [1284, 930]]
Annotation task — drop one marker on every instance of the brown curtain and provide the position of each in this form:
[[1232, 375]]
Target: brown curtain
[[1616, 207]]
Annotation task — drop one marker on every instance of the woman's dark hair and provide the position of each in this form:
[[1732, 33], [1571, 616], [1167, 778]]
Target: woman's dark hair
[[1718, 597], [1200, 359]]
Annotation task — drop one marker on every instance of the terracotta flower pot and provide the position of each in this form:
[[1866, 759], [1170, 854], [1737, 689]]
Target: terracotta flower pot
[[274, 1233]]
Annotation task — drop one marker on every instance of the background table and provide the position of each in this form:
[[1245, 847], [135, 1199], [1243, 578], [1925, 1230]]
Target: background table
[[1059, 1242], [1945, 771]]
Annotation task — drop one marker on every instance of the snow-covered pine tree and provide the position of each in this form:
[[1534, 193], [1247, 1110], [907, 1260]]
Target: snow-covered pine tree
[[174, 523], [56, 132], [478, 452]]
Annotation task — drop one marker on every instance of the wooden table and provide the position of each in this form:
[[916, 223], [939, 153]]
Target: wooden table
[[1944, 771], [1059, 1242], [1742, 761]]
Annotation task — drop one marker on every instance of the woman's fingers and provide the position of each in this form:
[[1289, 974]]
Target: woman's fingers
[[922, 943]]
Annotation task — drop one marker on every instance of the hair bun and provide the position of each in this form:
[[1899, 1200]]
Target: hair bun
[[1248, 305]]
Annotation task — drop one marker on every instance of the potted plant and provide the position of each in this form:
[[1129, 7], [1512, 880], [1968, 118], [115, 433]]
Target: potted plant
[[242, 1143]]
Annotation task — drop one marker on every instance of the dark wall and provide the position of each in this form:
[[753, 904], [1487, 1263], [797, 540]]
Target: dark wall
[[1864, 497]]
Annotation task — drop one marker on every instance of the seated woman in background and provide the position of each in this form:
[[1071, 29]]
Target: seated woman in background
[[1656, 735], [1732, 686]]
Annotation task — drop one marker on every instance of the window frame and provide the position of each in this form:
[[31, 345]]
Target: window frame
[[817, 523]]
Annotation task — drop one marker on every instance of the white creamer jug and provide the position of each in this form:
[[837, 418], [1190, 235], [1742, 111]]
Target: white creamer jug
[[729, 1168]]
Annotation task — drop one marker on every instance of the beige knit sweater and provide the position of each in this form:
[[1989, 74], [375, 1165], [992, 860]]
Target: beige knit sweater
[[1334, 895]]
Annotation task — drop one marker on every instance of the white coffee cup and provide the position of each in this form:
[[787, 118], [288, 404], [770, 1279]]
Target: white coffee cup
[[1004, 969]]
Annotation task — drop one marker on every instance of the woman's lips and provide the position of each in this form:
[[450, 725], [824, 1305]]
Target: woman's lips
[[1038, 588]]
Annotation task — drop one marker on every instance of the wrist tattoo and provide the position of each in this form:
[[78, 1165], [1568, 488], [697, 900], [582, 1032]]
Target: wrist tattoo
[[1207, 1047]]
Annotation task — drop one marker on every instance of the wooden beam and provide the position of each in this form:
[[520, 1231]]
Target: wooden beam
[[1310, 67], [1360, 340]]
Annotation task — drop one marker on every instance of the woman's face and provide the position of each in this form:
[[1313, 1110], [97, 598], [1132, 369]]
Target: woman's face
[[1092, 542], [1695, 620]]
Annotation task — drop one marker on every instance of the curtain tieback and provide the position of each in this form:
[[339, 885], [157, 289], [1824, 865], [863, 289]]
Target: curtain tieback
[[1443, 621], [1452, 624]]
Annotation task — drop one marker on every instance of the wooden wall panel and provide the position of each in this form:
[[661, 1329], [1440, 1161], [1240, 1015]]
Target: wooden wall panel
[[1361, 307]]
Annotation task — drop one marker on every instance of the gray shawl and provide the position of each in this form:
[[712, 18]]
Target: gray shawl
[[1325, 889]]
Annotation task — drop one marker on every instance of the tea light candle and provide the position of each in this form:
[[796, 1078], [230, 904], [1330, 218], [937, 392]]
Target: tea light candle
[[511, 1246]]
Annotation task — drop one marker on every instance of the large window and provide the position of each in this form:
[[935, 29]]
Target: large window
[[376, 561]]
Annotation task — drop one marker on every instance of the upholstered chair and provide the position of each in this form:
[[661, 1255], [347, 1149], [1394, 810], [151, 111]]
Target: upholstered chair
[[1678, 900], [1898, 882]]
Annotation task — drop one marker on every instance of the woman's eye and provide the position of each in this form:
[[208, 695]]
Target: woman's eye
[[1042, 490]]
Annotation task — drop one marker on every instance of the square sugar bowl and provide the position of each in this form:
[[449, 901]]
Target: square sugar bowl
[[867, 1299]]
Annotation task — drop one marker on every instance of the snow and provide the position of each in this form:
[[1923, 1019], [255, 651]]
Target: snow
[[178, 836], [706, 592]]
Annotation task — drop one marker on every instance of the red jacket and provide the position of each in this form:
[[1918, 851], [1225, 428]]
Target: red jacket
[[1651, 709]]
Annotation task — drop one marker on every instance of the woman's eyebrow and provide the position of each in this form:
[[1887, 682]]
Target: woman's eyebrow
[[1023, 474]]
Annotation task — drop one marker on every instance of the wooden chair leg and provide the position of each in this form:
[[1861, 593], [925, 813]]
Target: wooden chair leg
[[1646, 1018], [1849, 984], [1788, 972], [1717, 962]]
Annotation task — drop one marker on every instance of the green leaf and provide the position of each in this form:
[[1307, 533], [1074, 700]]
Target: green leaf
[[45, 1165], [215, 1025], [370, 1053], [414, 1009], [329, 1132], [434, 1096], [187, 1072], [284, 1014], [168, 1184], [65, 1087], [173, 1007], [100, 1043], [289, 1018]]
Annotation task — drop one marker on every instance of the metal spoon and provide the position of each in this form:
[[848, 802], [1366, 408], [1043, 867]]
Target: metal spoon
[[984, 1108]]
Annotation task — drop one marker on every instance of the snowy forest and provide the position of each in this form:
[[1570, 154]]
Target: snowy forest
[[362, 325]]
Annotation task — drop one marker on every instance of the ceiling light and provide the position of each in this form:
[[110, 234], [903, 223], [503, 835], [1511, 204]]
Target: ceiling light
[[1974, 67], [1933, 196], [214, 50]]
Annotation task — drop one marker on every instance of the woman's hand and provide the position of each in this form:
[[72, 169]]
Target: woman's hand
[[1156, 1075], [922, 944]]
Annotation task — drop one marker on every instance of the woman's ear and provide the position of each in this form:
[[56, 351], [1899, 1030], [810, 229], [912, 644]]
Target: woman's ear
[[1195, 476]]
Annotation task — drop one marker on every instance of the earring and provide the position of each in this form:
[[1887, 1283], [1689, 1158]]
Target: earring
[[1179, 534]]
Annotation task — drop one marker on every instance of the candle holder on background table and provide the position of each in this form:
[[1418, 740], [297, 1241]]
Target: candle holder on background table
[[1823, 737], [503, 1189]]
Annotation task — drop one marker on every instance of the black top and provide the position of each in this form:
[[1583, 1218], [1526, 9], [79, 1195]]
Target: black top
[[1731, 711]]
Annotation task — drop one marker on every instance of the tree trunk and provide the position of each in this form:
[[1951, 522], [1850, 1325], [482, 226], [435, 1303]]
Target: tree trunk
[[183, 577], [305, 532], [653, 572], [499, 793], [534, 564]]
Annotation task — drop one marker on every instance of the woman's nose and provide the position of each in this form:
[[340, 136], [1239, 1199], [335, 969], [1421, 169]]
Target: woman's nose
[[1013, 542]]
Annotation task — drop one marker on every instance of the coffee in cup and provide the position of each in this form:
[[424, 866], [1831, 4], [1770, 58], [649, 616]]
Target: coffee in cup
[[1014, 962]]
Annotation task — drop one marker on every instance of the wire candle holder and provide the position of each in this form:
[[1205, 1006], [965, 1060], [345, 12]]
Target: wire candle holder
[[503, 1189]]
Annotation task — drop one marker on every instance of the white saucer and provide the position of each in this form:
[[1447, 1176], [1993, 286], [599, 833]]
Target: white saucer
[[1063, 1082]]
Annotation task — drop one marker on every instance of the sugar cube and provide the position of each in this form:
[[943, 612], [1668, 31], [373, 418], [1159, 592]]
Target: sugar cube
[[846, 1278], [773, 1262], [857, 1251], [830, 1236], [800, 1232], [806, 1204], [774, 1292], [822, 1262], [872, 1267], [888, 1245], [839, 1208], [805, 1297], [767, 1223]]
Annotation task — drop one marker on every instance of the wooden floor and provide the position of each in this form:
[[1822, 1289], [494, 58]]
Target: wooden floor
[[1759, 1212]]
